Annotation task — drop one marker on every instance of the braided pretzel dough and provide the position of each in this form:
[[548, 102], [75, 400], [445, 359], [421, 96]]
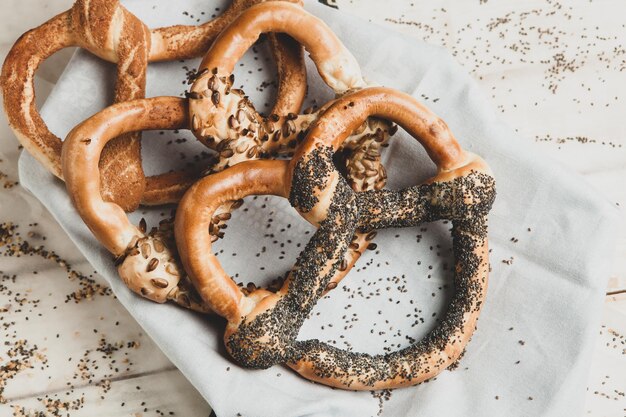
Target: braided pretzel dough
[[262, 327], [108, 30], [121, 163]]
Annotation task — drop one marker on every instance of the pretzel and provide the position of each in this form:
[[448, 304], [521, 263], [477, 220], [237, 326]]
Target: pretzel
[[147, 261], [462, 191], [262, 327], [249, 337], [80, 155], [110, 31], [225, 120]]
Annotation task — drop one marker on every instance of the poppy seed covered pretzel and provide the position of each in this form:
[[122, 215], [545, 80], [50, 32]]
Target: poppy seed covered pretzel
[[262, 326], [108, 30], [463, 191]]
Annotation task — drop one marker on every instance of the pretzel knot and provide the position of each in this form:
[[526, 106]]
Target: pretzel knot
[[262, 326]]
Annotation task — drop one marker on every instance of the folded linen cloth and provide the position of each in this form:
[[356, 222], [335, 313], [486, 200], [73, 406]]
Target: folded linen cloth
[[551, 238]]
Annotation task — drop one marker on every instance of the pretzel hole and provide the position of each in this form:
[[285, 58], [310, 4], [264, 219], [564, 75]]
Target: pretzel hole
[[406, 161], [174, 150], [405, 284], [258, 58], [394, 295], [262, 242]]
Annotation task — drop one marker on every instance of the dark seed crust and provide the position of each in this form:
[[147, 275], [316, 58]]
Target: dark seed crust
[[410, 207], [270, 338], [309, 177]]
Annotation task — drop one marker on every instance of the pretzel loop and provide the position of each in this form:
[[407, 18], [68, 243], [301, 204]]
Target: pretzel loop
[[146, 262], [117, 36], [262, 327]]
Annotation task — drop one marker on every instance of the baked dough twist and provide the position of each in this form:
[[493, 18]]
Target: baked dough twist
[[463, 192], [262, 327], [224, 119], [110, 31], [147, 261]]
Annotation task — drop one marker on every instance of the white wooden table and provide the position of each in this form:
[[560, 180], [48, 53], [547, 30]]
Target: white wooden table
[[556, 70]]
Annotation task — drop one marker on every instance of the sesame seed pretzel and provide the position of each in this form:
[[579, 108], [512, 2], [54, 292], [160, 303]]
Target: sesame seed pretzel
[[262, 327], [110, 31]]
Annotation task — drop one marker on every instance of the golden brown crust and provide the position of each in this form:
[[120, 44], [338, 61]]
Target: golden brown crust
[[115, 35], [186, 42], [334, 62], [224, 120], [81, 153], [145, 262], [292, 83], [29, 51], [194, 215], [168, 188], [216, 108], [108, 30], [132, 246]]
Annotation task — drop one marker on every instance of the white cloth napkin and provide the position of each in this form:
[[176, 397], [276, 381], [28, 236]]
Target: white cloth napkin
[[551, 237]]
